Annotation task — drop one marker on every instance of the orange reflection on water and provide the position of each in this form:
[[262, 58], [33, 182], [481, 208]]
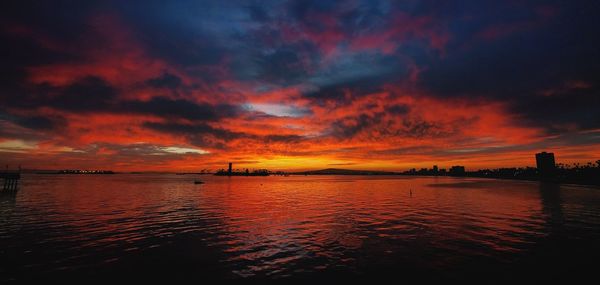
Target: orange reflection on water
[[285, 225]]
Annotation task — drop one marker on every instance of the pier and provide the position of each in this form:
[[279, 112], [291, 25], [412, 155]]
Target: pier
[[11, 180]]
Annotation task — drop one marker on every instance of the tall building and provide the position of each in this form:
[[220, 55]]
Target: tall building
[[230, 170], [457, 170], [545, 164]]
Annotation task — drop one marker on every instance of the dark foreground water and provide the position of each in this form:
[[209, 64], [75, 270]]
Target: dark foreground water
[[163, 227]]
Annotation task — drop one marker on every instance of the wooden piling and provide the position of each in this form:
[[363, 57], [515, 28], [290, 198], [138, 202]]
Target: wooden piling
[[11, 180]]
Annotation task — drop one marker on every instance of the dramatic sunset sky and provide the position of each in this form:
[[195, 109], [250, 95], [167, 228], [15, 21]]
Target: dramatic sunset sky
[[390, 85]]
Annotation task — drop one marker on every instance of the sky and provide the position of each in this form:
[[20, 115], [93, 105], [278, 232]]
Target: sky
[[294, 85]]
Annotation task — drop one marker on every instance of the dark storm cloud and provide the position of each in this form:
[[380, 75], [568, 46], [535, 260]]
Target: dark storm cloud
[[94, 95], [291, 48], [87, 94], [520, 51], [265, 55], [395, 121], [19, 52], [8, 130], [62, 20], [398, 109], [168, 30], [350, 127], [35, 122], [166, 80], [419, 128], [201, 135], [204, 135], [178, 47], [41, 122], [26, 27], [345, 91], [194, 130], [198, 34], [178, 108], [176, 32], [281, 66], [556, 111]]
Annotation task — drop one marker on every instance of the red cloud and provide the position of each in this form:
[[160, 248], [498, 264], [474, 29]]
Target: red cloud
[[394, 128]]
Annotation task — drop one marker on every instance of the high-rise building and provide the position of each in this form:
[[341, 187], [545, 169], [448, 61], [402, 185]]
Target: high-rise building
[[230, 168], [545, 164], [457, 170]]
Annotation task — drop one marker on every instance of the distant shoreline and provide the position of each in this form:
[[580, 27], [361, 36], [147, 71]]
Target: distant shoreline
[[561, 179]]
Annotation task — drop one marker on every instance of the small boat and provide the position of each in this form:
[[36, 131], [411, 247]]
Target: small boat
[[198, 182]]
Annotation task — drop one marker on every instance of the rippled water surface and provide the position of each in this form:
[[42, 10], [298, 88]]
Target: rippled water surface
[[165, 226]]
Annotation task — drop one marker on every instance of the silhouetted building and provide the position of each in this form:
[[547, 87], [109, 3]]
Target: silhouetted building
[[545, 164], [457, 170], [435, 169], [230, 172]]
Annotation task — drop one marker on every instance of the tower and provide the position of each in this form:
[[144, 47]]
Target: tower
[[545, 164]]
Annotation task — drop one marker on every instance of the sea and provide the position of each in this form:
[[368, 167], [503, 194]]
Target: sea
[[164, 227]]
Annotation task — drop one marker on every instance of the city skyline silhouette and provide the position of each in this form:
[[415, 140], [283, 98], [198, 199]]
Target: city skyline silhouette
[[284, 141]]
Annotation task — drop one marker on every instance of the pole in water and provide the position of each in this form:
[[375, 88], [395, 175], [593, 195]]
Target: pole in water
[[410, 192]]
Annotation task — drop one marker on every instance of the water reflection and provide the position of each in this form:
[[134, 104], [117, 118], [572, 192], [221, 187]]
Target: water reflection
[[552, 204], [277, 227], [8, 198]]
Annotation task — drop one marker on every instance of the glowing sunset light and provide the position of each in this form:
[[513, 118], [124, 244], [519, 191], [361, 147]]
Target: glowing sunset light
[[283, 85]]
